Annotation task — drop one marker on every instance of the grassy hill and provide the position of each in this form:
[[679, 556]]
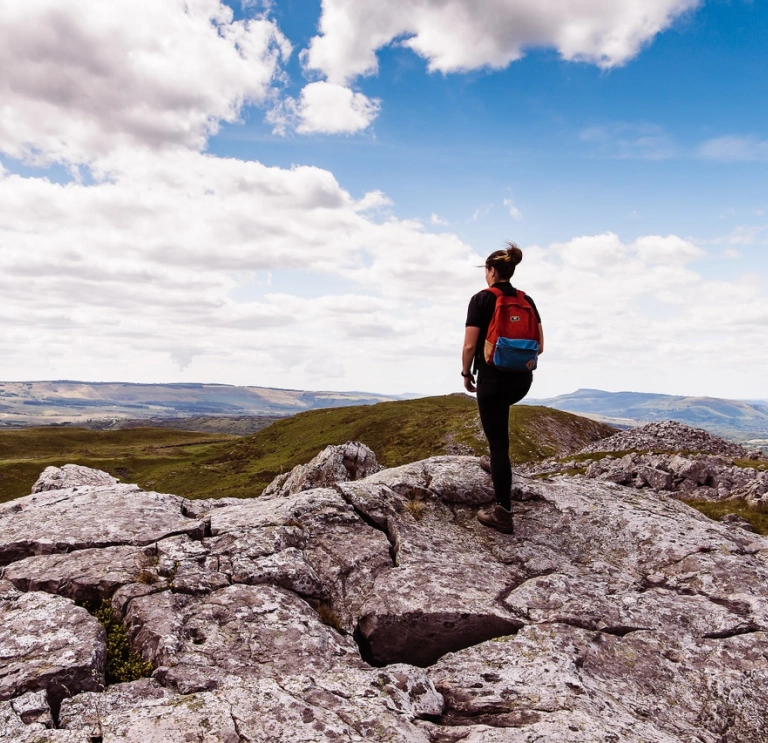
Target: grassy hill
[[197, 465], [103, 403]]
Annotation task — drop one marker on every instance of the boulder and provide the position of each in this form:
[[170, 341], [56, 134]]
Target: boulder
[[656, 478], [71, 476], [243, 631], [338, 463], [89, 575]]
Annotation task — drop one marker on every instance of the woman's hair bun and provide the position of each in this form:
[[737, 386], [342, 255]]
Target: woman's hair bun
[[514, 253]]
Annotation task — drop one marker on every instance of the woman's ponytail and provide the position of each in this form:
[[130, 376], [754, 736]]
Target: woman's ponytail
[[504, 261]]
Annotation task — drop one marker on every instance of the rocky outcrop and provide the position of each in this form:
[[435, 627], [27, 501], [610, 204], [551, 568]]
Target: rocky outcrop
[[380, 609], [82, 517], [71, 475], [688, 477], [339, 463], [694, 476], [668, 436]]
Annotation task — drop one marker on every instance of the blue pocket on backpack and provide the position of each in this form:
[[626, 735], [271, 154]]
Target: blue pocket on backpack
[[516, 355]]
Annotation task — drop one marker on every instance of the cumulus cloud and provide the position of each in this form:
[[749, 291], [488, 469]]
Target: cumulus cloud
[[152, 73], [640, 315], [325, 108], [143, 276], [459, 35]]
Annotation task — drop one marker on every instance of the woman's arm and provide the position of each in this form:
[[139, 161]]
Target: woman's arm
[[541, 340], [471, 335]]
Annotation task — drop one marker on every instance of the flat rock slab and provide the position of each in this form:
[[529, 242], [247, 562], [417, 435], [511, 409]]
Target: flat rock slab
[[88, 575], [78, 518], [242, 631], [48, 643], [350, 707], [552, 680]]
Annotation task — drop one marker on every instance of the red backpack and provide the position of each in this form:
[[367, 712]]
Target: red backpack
[[512, 342]]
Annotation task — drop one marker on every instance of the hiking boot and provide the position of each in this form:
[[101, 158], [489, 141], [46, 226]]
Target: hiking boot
[[485, 463], [497, 518]]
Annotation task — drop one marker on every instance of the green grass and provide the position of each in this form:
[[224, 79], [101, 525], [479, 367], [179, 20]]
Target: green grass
[[756, 515], [136, 455], [195, 466]]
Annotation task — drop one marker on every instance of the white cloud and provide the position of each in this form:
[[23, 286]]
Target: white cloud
[[639, 316], [79, 80], [136, 277], [735, 149], [514, 212], [459, 35], [438, 220], [325, 108], [732, 253]]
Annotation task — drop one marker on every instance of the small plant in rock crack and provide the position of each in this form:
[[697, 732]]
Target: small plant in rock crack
[[329, 616], [415, 505], [123, 664], [145, 576]]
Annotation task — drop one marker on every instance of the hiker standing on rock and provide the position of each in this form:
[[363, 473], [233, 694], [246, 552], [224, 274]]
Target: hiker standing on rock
[[502, 341]]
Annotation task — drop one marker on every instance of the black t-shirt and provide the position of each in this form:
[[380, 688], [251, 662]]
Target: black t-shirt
[[479, 315]]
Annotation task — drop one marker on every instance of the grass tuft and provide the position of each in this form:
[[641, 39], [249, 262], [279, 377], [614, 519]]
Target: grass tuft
[[756, 515], [415, 505], [328, 616]]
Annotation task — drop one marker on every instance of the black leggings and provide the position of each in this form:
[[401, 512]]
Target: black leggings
[[494, 398]]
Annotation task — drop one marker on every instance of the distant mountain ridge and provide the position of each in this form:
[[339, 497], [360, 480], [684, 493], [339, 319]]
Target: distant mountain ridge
[[38, 403], [739, 420]]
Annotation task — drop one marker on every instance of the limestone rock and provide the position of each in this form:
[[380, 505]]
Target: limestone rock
[[339, 547], [71, 476], [338, 463], [32, 708], [453, 479], [89, 575], [356, 707], [48, 644], [241, 631], [84, 517], [611, 614]]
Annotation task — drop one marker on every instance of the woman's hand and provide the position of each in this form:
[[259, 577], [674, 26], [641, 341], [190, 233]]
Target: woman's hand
[[471, 336], [469, 384]]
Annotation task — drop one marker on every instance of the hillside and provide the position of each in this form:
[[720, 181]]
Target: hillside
[[40, 403], [199, 466], [737, 420]]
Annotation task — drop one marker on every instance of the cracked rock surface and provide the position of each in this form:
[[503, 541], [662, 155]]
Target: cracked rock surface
[[378, 608]]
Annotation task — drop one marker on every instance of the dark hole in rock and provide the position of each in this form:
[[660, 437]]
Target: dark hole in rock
[[422, 639]]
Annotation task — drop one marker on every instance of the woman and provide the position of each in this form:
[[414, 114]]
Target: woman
[[496, 390]]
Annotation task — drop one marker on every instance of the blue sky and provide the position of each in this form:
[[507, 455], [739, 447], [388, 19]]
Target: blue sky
[[294, 194]]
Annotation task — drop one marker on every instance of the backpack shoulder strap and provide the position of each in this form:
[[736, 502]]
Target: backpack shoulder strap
[[495, 290]]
